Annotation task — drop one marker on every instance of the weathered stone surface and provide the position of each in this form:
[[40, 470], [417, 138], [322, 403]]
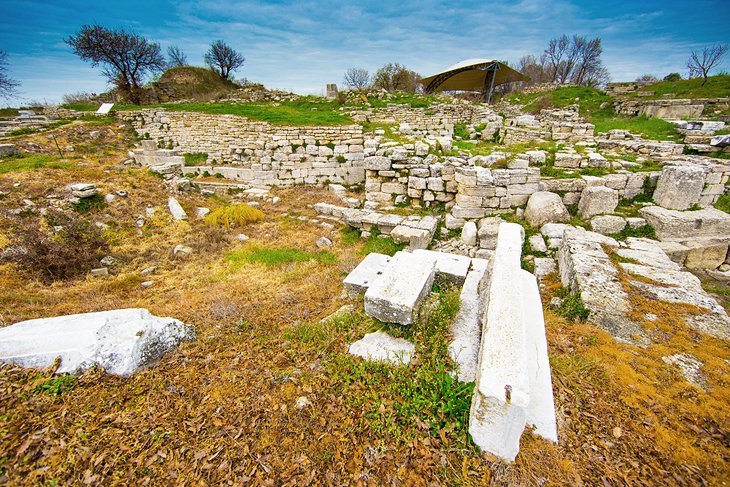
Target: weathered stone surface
[[646, 251], [84, 190], [537, 243], [608, 224], [545, 207], [466, 329], [596, 200], [450, 268], [367, 271], [488, 232], [705, 253], [121, 341], [176, 209], [681, 225], [381, 347], [720, 141], [7, 150], [690, 367], [469, 234], [397, 294], [679, 187], [510, 389]]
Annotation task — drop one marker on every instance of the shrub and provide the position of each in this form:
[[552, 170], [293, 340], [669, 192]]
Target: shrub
[[238, 214], [195, 158], [72, 250]]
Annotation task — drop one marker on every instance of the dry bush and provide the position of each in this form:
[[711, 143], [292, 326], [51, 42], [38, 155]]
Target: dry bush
[[542, 103], [234, 215], [71, 250]]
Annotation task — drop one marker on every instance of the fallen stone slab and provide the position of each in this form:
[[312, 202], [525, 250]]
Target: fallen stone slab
[[597, 200], [381, 347], [466, 329], [177, 211], [121, 341], [450, 268], [545, 207], [508, 392], [707, 254], [84, 190], [7, 150], [681, 225], [367, 271], [397, 295]]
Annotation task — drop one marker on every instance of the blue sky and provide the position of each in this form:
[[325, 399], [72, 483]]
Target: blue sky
[[301, 46]]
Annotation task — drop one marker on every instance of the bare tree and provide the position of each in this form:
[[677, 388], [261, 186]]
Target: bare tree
[[535, 70], [396, 77], [8, 86], [555, 56], [176, 57], [701, 62], [126, 57], [223, 59], [647, 78], [357, 78], [597, 77], [588, 58]]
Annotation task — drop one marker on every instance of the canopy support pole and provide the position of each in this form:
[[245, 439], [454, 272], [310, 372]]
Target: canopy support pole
[[489, 80]]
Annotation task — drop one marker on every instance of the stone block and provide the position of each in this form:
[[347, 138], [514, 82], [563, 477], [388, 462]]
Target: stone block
[[679, 187], [680, 225], [381, 347], [608, 224], [705, 253], [450, 268], [596, 200], [367, 271], [545, 207], [397, 294]]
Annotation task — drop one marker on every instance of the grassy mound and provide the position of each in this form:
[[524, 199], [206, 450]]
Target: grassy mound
[[186, 82], [717, 86]]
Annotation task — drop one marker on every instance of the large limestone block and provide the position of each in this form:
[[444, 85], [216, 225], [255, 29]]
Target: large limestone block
[[397, 295], [545, 207], [679, 187], [705, 253], [121, 341], [681, 225], [502, 390], [597, 200], [608, 224], [7, 150], [367, 271]]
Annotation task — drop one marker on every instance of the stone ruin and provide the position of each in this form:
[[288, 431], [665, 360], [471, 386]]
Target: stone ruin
[[498, 336]]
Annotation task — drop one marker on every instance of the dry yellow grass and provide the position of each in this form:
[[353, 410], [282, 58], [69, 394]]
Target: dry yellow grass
[[221, 409]]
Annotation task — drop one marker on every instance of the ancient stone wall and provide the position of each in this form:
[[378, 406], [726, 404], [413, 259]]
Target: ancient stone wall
[[258, 152], [669, 108]]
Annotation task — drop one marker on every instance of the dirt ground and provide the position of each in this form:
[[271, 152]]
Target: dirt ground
[[220, 410]]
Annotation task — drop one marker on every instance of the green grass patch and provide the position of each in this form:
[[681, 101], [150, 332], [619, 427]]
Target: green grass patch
[[571, 308], [23, 162], [91, 203], [649, 128], [195, 158], [415, 100], [9, 112], [644, 231], [717, 86], [381, 245], [723, 203], [55, 386], [278, 256], [397, 401]]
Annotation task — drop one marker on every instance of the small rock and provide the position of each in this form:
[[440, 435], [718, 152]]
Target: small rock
[[324, 242], [150, 212], [84, 190], [275, 200], [181, 251], [121, 193], [147, 283], [149, 270], [201, 212], [176, 209], [140, 221], [556, 302], [302, 403], [100, 272], [617, 432], [109, 261], [242, 237], [469, 234], [109, 198]]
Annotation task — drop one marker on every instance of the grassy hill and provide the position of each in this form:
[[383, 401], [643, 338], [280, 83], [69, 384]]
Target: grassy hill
[[717, 86], [597, 108]]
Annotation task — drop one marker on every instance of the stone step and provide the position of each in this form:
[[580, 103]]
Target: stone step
[[397, 295]]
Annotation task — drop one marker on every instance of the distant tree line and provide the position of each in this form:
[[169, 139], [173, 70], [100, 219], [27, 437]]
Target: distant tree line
[[391, 77], [575, 59], [127, 58]]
